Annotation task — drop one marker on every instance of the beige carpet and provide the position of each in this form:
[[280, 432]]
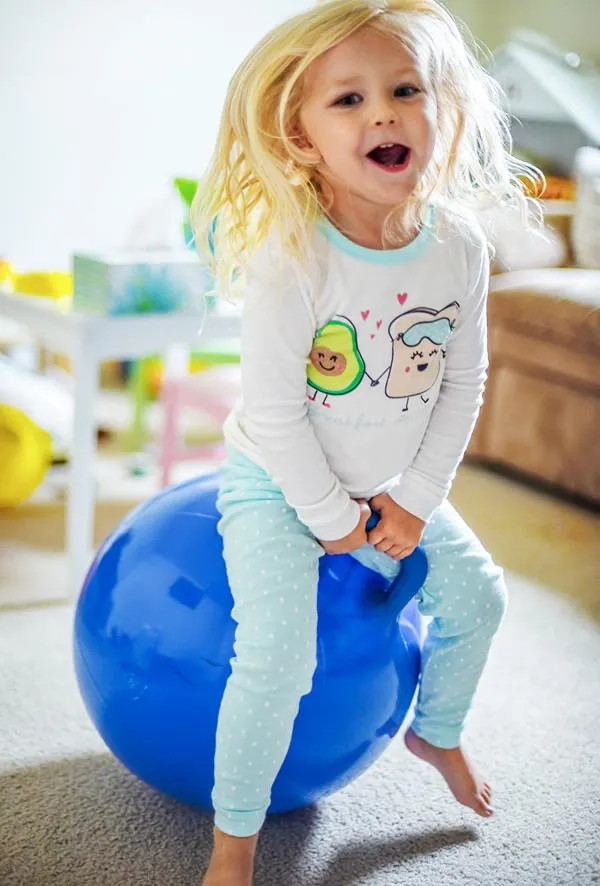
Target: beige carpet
[[71, 816]]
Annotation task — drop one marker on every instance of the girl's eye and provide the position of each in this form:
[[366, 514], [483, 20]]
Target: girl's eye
[[433, 353], [406, 91], [349, 100], [417, 354]]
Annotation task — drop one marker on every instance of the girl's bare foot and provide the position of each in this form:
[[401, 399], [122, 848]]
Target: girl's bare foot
[[232, 860], [461, 775]]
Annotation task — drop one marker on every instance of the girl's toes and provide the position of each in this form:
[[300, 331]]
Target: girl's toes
[[487, 793], [482, 807]]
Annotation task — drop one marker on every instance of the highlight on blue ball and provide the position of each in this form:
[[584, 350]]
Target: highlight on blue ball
[[154, 638]]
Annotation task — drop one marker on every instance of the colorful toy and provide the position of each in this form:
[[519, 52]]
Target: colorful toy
[[139, 282], [186, 188], [56, 285], [25, 455], [36, 418], [149, 371], [154, 638], [48, 284], [6, 272]]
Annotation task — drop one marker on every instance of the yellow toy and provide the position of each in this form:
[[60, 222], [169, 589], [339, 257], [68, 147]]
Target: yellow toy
[[6, 272], [36, 427], [25, 455], [47, 284]]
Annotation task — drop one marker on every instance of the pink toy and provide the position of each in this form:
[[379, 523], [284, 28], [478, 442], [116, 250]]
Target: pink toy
[[213, 392]]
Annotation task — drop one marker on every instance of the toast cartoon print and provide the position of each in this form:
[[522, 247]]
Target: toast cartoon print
[[418, 338]]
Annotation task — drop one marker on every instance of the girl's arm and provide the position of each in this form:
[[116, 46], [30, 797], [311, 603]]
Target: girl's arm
[[426, 483], [278, 328]]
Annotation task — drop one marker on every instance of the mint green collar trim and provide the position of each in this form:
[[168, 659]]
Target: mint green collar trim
[[381, 256]]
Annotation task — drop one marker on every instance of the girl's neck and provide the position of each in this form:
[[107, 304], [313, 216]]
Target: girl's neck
[[364, 225]]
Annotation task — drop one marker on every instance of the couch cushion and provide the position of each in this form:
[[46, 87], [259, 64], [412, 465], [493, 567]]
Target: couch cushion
[[557, 304], [519, 248]]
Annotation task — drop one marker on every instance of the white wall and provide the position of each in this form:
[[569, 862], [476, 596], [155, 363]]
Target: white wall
[[101, 103], [573, 26]]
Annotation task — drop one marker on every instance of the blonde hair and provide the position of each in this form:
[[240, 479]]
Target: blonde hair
[[258, 182]]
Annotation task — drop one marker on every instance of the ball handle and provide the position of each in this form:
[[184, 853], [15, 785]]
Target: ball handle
[[412, 575], [372, 521]]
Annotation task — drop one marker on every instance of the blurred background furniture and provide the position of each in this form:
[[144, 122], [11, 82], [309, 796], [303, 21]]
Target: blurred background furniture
[[553, 97], [88, 339], [212, 390], [541, 411]]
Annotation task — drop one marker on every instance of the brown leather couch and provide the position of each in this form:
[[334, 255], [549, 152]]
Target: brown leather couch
[[541, 412]]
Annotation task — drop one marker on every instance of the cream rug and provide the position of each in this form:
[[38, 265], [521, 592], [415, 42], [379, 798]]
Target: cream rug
[[70, 815]]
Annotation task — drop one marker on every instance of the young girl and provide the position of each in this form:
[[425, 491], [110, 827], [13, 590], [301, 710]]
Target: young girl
[[356, 141]]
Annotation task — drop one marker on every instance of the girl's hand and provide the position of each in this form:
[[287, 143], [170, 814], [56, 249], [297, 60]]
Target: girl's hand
[[355, 539], [398, 532]]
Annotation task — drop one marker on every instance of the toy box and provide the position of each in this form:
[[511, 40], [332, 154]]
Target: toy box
[[139, 282]]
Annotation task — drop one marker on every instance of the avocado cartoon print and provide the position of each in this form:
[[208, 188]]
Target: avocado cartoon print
[[417, 338], [335, 363]]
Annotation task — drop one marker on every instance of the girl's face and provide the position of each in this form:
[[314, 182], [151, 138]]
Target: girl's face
[[369, 116]]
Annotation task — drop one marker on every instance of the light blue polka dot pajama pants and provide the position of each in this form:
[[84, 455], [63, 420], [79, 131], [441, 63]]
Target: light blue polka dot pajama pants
[[272, 565]]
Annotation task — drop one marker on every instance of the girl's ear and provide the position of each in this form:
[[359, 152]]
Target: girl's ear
[[304, 144]]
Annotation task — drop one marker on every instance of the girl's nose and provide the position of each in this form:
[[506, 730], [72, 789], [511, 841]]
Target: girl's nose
[[385, 115]]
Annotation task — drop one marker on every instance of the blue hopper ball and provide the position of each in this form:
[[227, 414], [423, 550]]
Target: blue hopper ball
[[153, 641]]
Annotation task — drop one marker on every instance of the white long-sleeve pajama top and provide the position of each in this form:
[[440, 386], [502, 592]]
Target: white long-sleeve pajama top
[[365, 373]]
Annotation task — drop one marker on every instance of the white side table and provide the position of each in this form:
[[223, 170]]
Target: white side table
[[88, 339]]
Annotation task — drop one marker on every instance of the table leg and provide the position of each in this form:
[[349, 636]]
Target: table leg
[[81, 502]]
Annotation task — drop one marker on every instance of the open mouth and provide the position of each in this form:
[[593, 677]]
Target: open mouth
[[390, 156]]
